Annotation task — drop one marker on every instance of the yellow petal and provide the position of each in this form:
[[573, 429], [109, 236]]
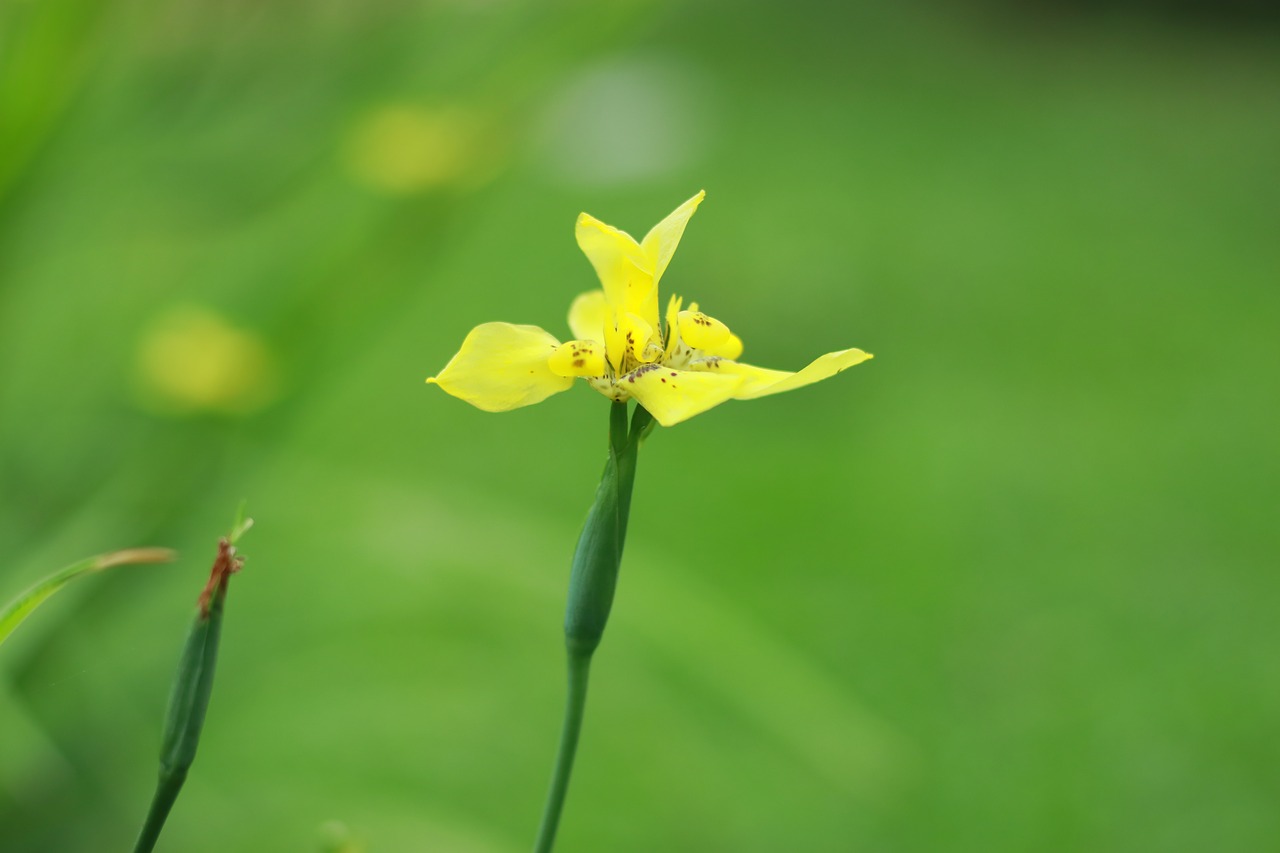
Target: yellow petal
[[672, 396], [501, 367], [616, 256], [761, 381], [673, 325], [615, 345], [587, 315], [642, 298], [639, 335], [673, 310], [701, 331], [629, 339], [578, 358], [730, 347], [661, 241]]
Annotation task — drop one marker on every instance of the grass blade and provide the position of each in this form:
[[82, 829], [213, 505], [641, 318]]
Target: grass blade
[[15, 612]]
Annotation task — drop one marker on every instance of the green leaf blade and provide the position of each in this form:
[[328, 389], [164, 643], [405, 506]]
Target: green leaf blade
[[16, 612]]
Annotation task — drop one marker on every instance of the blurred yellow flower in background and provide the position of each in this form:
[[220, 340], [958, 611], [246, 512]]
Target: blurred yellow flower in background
[[675, 370], [403, 149], [192, 359]]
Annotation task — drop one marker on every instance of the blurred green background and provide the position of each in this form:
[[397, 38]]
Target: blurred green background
[[1011, 586]]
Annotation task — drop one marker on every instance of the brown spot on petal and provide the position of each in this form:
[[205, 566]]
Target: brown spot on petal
[[642, 370]]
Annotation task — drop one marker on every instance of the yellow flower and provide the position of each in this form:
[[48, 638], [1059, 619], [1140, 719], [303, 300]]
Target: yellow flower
[[674, 369], [193, 359]]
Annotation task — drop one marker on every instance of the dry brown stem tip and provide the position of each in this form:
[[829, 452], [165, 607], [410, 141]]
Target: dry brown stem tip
[[225, 564]]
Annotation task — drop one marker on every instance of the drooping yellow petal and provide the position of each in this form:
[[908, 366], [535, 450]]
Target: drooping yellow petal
[[661, 241], [761, 381], [672, 396], [587, 315], [578, 358], [502, 366], [616, 256]]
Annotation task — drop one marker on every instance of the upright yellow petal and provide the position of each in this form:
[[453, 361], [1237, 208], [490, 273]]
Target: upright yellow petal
[[661, 241], [501, 367], [616, 256], [587, 315], [615, 341], [673, 326], [639, 335], [761, 381], [673, 309], [630, 340], [642, 298], [672, 396]]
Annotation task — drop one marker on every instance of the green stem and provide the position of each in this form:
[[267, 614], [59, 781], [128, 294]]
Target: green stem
[[162, 801], [592, 584], [575, 708]]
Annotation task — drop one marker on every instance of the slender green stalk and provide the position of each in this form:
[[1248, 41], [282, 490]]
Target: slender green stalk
[[592, 584], [575, 708]]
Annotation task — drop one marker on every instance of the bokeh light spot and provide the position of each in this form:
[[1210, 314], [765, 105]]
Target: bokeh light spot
[[192, 359], [403, 149], [626, 121]]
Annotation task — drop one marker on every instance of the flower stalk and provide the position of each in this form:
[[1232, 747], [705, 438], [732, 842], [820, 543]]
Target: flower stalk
[[675, 366], [592, 584]]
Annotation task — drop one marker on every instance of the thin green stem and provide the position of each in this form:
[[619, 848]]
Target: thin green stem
[[166, 795], [575, 708], [592, 583]]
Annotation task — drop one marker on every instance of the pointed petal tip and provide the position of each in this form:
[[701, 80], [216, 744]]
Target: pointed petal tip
[[854, 357]]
